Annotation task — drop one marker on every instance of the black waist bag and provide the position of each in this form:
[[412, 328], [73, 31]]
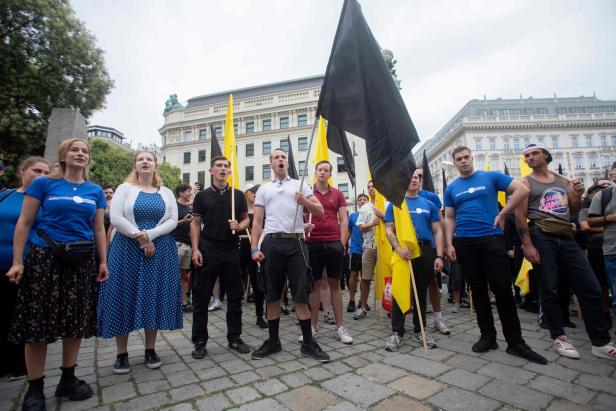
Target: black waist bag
[[71, 254]]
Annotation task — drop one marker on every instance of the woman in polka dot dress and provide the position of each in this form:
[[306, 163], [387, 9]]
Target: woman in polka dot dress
[[144, 288]]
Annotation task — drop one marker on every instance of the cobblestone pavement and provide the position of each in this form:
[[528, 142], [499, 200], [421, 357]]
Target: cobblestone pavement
[[360, 376]]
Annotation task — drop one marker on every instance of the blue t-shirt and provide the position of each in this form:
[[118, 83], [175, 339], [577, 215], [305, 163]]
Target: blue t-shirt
[[475, 201], [10, 209], [67, 209], [423, 213], [357, 237], [429, 195]]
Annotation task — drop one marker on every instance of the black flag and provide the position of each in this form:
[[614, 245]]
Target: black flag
[[215, 146], [507, 170], [292, 170], [359, 96], [444, 181], [338, 143], [560, 169], [428, 184]]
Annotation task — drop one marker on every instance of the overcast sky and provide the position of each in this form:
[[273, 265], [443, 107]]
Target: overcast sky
[[448, 52]]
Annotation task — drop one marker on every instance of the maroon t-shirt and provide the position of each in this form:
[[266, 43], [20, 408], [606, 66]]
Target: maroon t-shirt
[[327, 228]]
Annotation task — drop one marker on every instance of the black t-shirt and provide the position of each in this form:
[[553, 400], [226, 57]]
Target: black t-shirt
[[214, 207], [181, 233]]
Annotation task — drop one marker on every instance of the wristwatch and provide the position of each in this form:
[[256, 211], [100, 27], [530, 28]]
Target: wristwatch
[[441, 257]]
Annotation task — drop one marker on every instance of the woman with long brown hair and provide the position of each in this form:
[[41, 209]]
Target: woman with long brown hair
[[58, 290], [144, 290]]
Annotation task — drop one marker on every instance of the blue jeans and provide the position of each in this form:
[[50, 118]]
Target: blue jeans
[[610, 271], [563, 260]]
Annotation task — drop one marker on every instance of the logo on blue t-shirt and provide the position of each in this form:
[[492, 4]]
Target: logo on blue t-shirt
[[471, 190]]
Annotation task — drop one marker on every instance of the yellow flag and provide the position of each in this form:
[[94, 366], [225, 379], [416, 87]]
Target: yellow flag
[[502, 197], [383, 251], [401, 268], [522, 280], [321, 151], [524, 168], [229, 150]]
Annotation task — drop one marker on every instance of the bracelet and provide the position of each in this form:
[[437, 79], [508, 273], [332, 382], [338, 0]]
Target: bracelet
[[254, 250], [441, 257]]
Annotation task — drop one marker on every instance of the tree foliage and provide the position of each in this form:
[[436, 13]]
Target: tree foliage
[[111, 165], [47, 59]]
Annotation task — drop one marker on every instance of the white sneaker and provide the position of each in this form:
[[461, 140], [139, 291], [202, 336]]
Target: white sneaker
[[393, 343], [456, 308], [329, 318], [215, 305], [439, 324], [315, 335], [343, 335], [565, 348], [607, 351], [429, 341], [359, 313]]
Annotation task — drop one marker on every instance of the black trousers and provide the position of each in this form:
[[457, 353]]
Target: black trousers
[[219, 260], [247, 264], [515, 264], [484, 261], [12, 354], [423, 270]]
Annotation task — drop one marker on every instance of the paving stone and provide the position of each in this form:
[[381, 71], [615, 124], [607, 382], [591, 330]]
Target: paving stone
[[143, 403], [455, 399], [355, 361], [295, 379], [417, 365], [381, 373], [235, 366], [572, 392], [148, 375], [603, 402], [216, 384], [318, 373], [186, 392], [118, 392], [186, 406], [209, 373], [268, 404], [270, 371], [503, 358], [337, 368], [516, 395], [149, 387], [465, 361], [564, 405], [401, 403], [180, 378], [213, 402], [507, 373], [271, 387], [464, 379], [79, 405], [345, 406], [243, 395], [245, 377], [595, 382], [357, 389], [587, 365], [307, 398], [552, 369], [291, 366], [416, 387]]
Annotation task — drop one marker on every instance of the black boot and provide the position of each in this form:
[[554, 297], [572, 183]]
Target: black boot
[[34, 400], [72, 387]]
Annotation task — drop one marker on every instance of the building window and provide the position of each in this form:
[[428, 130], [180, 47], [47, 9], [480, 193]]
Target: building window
[[235, 128], [201, 178], [606, 161], [250, 149], [301, 166], [201, 156], [341, 165], [603, 141], [614, 140], [267, 172], [267, 124], [267, 148], [302, 144], [555, 142], [284, 122], [344, 187], [202, 134], [592, 159], [186, 178], [588, 141], [506, 143], [187, 136], [284, 144], [526, 141], [516, 143], [186, 157], [249, 173], [481, 163], [492, 144], [477, 144], [574, 142], [302, 120], [578, 161], [218, 131], [542, 110], [250, 127], [540, 140]]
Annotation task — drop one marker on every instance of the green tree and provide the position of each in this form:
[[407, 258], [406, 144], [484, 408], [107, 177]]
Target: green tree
[[170, 175], [47, 59]]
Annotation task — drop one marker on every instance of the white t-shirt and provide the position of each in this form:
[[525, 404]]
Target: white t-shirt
[[366, 216], [278, 201]]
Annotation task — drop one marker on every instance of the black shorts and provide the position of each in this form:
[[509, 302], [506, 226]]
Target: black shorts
[[286, 258], [355, 262], [326, 255]]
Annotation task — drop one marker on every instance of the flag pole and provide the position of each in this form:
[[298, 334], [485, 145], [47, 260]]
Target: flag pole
[[421, 324], [232, 191], [301, 183]]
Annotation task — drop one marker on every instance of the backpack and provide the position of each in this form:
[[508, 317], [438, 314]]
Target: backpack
[[606, 197]]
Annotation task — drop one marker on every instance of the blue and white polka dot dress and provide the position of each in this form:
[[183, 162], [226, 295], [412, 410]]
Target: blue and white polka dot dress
[[141, 292]]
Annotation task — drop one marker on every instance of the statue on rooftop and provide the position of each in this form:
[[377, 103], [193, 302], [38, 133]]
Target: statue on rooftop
[[172, 104], [388, 56]]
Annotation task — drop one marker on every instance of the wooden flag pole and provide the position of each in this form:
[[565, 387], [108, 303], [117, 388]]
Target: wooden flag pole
[[301, 183], [417, 304], [232, 192]]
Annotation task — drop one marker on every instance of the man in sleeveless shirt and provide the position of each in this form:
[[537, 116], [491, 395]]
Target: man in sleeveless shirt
[[471, 210], [549, 245]]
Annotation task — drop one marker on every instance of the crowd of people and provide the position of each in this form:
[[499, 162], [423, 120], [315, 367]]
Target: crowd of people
[[79, 260]]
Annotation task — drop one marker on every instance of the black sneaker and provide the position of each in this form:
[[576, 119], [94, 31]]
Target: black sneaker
[[315, 352], [199, 352], [465, 304], [266, 349], [239, 346], [187, 308], [351, 307], [484, 344], [75, 389], [121, 365], [261, 323], [450, 299], [524, 351], [152, 360]]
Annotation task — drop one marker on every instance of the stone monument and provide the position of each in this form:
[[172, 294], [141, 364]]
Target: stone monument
[[64, 123]]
